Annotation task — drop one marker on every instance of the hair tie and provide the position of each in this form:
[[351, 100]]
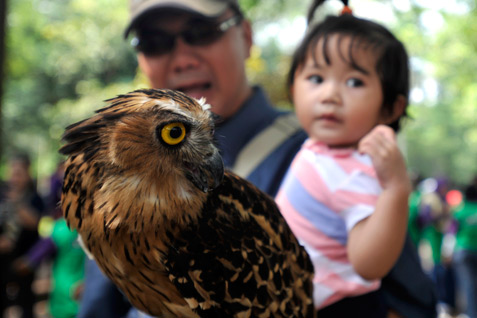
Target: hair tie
[[346, 10]]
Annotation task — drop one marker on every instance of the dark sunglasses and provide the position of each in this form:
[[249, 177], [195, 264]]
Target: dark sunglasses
[[157, 42]]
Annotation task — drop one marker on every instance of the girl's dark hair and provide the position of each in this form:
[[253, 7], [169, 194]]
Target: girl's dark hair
[[392, 65]]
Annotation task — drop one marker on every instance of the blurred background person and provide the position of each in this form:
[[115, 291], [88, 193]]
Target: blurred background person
[[60, 251], [465, 253], [414, 227], [54, 192], [67, 268], [20, 211], [435, 220]]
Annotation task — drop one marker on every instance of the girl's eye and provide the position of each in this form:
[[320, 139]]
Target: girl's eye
[[316, 79], [173, 133], [354, 82]]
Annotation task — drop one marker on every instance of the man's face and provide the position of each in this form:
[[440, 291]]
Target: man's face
[[215, 71]]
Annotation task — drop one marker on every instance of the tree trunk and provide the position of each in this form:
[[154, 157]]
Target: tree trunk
[[3, 27]]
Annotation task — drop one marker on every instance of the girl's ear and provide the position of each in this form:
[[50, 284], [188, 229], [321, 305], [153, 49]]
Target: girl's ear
[[290, 92], [398, 109]]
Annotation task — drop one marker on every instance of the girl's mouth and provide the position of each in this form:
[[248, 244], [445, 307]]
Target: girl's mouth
[[328, 118]]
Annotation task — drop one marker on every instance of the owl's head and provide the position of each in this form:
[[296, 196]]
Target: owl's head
[[159, 134]]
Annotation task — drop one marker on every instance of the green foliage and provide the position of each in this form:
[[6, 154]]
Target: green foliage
[[59, 51], [441, 140]]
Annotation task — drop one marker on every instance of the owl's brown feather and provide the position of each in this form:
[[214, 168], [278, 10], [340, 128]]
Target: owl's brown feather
[[179, 236]]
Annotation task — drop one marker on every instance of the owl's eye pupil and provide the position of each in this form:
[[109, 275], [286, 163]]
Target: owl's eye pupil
[[176, 132], [173, 133]]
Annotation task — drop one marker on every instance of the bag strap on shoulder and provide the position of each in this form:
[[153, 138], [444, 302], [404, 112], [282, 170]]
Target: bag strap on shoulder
[[264, 143]]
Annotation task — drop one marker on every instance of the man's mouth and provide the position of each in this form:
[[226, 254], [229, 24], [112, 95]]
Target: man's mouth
[[195, 90]]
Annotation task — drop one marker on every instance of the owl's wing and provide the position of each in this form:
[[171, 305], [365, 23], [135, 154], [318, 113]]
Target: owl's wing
[[241, 257], [76, 196]]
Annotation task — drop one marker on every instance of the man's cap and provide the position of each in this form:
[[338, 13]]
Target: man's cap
[[205, 8]]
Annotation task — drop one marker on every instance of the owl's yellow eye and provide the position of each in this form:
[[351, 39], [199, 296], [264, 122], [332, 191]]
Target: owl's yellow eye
[[173, 133]]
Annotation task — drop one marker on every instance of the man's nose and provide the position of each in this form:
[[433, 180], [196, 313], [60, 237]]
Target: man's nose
[[184, 56]]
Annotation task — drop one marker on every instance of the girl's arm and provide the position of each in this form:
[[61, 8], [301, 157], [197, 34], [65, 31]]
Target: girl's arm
[[375, 243]]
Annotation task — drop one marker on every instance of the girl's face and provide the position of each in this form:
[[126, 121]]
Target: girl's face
[[336, 103]]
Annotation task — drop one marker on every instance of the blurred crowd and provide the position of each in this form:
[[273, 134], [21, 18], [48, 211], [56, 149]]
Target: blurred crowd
[[443, 226]]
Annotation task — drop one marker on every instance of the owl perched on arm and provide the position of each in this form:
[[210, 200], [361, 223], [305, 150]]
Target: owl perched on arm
[[146, 190]]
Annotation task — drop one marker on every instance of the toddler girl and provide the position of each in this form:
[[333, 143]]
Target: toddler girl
[[346, 193]]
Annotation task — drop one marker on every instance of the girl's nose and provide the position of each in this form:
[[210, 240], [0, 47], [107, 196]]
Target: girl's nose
[[330, 92]]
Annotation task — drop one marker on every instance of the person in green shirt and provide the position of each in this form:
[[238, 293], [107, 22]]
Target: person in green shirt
[[434, 215], [435, 218], [67, 270], [465, 250]]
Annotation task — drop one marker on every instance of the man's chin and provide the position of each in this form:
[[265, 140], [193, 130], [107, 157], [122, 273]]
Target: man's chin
[[198, 94], [207, 94]]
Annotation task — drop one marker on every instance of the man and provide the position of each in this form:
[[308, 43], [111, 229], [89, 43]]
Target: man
[[200, 47]]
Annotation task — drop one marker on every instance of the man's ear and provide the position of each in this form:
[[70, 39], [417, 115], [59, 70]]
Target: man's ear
[[142, 62], [399, 106], [248, 36]]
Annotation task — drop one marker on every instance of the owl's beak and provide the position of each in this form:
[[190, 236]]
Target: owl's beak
[[208, 175]]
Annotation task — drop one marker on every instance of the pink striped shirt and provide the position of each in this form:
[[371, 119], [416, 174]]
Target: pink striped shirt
[[324, 194]]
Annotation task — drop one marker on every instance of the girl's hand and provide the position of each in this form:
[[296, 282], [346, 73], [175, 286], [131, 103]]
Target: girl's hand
[[380, 144], [381, 235]]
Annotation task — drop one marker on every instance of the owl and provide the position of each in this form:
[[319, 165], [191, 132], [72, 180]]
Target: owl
[[146, 189]]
